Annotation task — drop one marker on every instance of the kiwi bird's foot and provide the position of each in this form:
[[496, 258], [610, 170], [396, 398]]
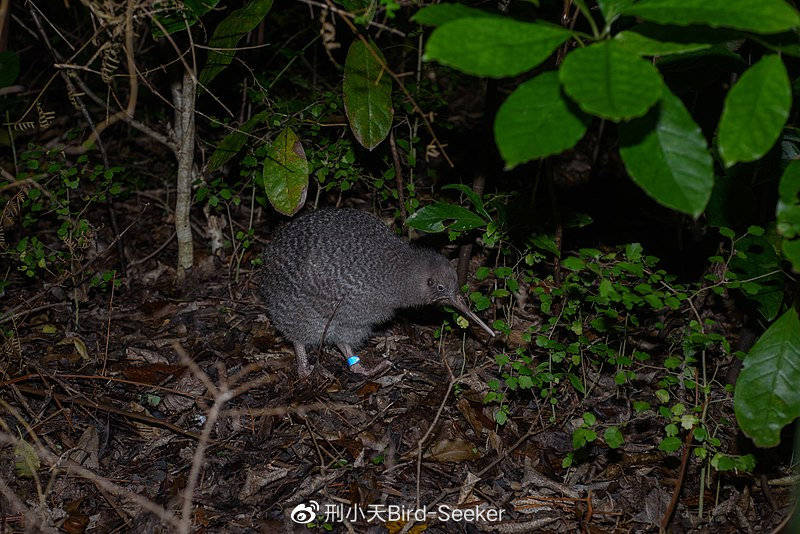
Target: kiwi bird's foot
[[303, 368], [355, 365], [372, 371]]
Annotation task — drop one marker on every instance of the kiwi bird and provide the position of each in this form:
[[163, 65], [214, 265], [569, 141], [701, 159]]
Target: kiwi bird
[[330, 276]]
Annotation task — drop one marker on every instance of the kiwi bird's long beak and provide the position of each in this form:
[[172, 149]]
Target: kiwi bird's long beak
[[461, 305]]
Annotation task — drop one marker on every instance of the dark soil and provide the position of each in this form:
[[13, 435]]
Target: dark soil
[[104, 386]]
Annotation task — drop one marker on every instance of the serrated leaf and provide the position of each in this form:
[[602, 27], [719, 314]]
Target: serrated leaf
[[609, 81], [438, 14], [367, 90], [666, 155], [758, 262], [181, 15], [755, 110], [227, 35], [537, 120], [494, 47], [285, 173], [9, 67], [767, 397], [436, 217], [26, 461], [546, 243], [473, 197], [232, 143], [761, 16], [573, 263]]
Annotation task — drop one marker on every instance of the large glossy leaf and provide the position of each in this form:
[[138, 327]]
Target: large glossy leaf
[[767, 396], [367, 90], [9, 67], [232, 143], [788, 213], [494, 47], [438, 14], [181, 15], [227, 35], [649, 39], [666, 155], [607, 80], [286, 173], [755, 110], [537, 120], [760, 16], [436, 217]]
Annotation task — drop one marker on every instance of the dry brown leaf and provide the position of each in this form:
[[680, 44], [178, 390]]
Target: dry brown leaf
[[457, 450]]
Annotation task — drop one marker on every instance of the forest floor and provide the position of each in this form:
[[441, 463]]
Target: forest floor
[[106, 390]]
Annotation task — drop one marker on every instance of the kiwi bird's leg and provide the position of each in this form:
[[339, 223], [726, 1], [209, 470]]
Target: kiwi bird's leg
[[355, 363], [303, 369]]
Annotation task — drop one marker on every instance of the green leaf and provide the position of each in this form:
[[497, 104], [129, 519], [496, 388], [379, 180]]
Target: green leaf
[[493, 46], [286, 173], [791, 249], [611, 82], [227, 35], [788, 213], [612, 9], [473, 197], [181, 15], [367, 90], [573, 263], [666, 155], [760, 16], [9, 67], [613, 437], [26, 461], [789, 187], [432, 218], [723, 462], [582, 436], [438, 14], [755, 110], [232, 143], [767, 397], [656, 40], [758, 261], [546, 243], [536, 120], [670, 444]]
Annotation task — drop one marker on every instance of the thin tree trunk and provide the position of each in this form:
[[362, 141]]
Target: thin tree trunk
[[465, 251], [184, 99], [484, 164]]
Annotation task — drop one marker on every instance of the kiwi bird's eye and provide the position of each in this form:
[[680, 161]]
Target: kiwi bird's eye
[[440, 288], [430, 282]]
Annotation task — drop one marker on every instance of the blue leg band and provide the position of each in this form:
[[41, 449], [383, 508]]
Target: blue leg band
[[352, 360]]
